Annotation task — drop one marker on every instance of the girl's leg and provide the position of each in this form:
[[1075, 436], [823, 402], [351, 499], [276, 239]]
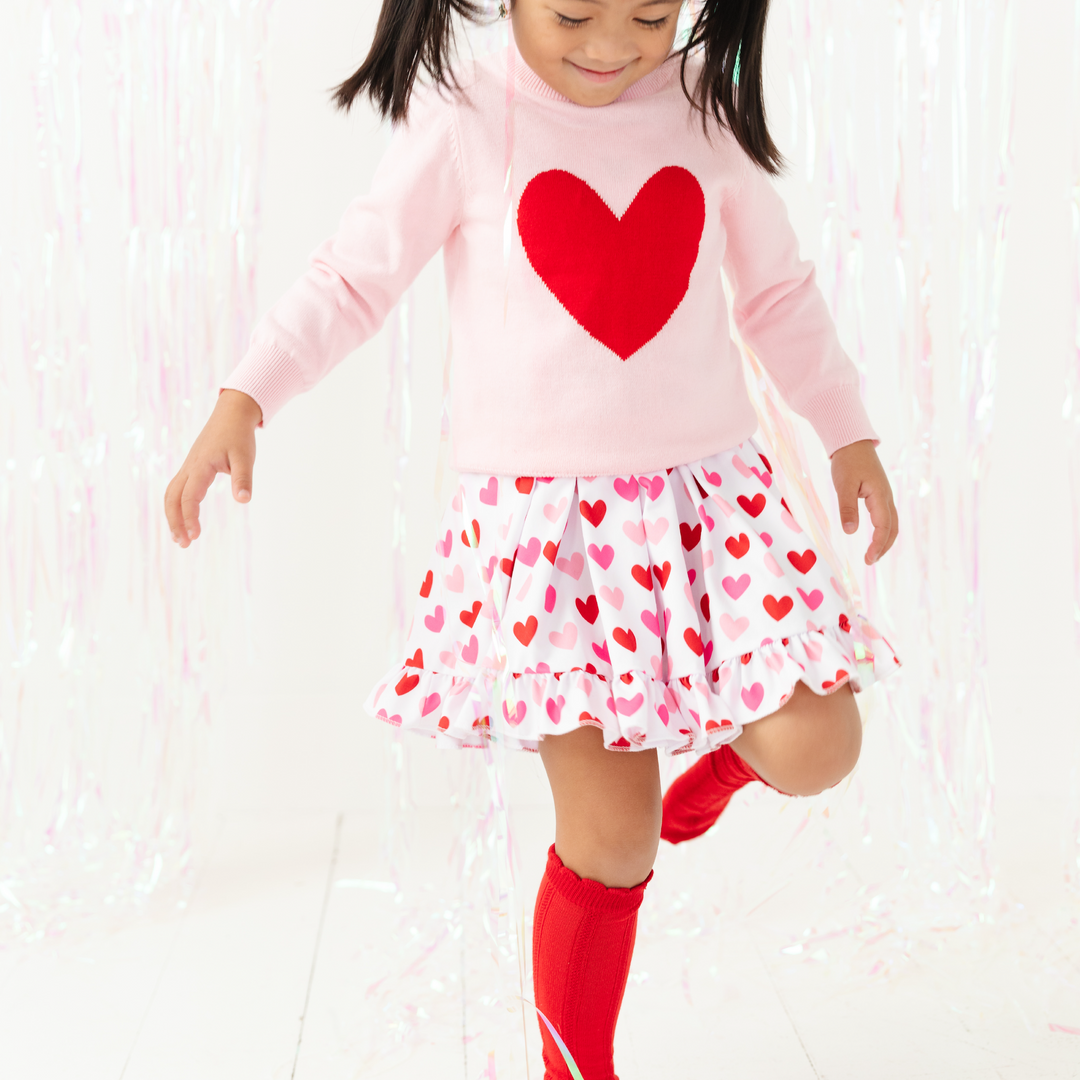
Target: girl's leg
[[607, 830], [812, 742]]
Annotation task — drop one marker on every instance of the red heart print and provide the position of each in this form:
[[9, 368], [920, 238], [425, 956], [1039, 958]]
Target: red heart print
[[765, 462], [777, 608], [802, 562], [590, 609], [416, 660], [625, 638], [622, 278], [551, 549], [841, 674], [444, 722], [738, 548], [425, 588], [642, 575], [507, 565], [662, 573], [693, 639], [405, 684], [524, 484], [845, 625], [705, 606], [752, 506], [690, 537], [525, 631], [593, 513], [469, 617]]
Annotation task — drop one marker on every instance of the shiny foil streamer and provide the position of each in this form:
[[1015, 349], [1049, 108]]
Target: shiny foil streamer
[[918, 855], [457, 967], [1071, 415], [111, 635]]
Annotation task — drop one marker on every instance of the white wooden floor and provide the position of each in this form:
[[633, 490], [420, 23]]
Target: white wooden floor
[[295, 958]]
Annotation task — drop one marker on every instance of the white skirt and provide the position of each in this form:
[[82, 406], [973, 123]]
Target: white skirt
[[668, 610]]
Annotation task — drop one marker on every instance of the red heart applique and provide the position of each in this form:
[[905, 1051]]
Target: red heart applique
[[620, 278]]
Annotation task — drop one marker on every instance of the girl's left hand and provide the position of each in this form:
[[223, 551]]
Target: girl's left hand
[[857, 473]]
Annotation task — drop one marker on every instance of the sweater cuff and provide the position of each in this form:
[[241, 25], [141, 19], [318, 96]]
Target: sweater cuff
[[839, 417], [268, 374]]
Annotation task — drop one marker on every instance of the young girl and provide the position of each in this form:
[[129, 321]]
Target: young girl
[[617, 572]]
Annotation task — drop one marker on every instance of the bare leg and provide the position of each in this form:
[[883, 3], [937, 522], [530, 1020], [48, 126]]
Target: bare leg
[[607, 807], [809, 744]]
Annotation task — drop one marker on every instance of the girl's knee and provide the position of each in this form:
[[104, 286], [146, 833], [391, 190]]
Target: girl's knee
[[811, 744], [836, 736]]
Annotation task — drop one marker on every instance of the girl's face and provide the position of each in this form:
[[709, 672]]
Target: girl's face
[[591, 50]]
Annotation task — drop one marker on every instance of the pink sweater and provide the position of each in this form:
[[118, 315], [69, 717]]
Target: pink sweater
[[589, 327]]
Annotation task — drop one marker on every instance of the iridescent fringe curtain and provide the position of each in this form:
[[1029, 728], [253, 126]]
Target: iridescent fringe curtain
[[110, 659], [897, 121], [1071, 415]]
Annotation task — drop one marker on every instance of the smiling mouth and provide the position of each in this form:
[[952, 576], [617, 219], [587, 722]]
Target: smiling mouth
[[598, 76]]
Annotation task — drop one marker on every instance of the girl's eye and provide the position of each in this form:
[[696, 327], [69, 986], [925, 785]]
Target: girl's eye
[[564, 20], [653, 24]]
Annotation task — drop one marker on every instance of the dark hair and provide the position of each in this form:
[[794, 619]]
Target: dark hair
[[412, 34], [731, 34]]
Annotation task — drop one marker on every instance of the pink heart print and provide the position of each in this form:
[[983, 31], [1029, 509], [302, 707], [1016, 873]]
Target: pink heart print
[[565, 640], [654, 487], [572, 566], [515, 718], [604, 556]]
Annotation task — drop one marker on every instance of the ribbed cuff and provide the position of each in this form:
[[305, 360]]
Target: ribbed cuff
[[592, 895], [268, 374], [839, 417]]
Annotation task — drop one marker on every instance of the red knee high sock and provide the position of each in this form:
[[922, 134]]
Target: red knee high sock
[[583, 938], [698, 797]]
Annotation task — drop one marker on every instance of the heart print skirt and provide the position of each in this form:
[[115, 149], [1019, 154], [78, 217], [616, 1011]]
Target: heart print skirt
[[669, 610]]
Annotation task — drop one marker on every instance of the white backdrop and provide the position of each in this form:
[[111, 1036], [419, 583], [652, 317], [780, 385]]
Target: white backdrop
[[292, 732], [301, 613]]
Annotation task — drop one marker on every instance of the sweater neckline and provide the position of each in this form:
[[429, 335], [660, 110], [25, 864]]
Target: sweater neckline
[[527, 80]]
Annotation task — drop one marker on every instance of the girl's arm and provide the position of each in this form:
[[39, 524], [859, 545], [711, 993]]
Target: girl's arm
[[782, 316], [355, 278]]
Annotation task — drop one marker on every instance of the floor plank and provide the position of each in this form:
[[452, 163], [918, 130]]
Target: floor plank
[[230, 1000], [74, 1009]]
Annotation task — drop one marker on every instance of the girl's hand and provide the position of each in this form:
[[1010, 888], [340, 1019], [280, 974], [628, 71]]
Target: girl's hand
[[225, 445], [858, 474]]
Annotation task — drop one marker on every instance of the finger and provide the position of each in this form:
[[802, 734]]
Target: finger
[[895, 528], [198, 484], [173, 514], [241, 466], [847, 496], [880, 510]]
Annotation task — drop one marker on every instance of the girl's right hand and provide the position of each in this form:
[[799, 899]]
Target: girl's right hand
[[225, 445]]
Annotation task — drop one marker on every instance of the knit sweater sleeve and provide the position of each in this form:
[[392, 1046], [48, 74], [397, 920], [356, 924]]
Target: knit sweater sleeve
[[355, 278], [782, 316]]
